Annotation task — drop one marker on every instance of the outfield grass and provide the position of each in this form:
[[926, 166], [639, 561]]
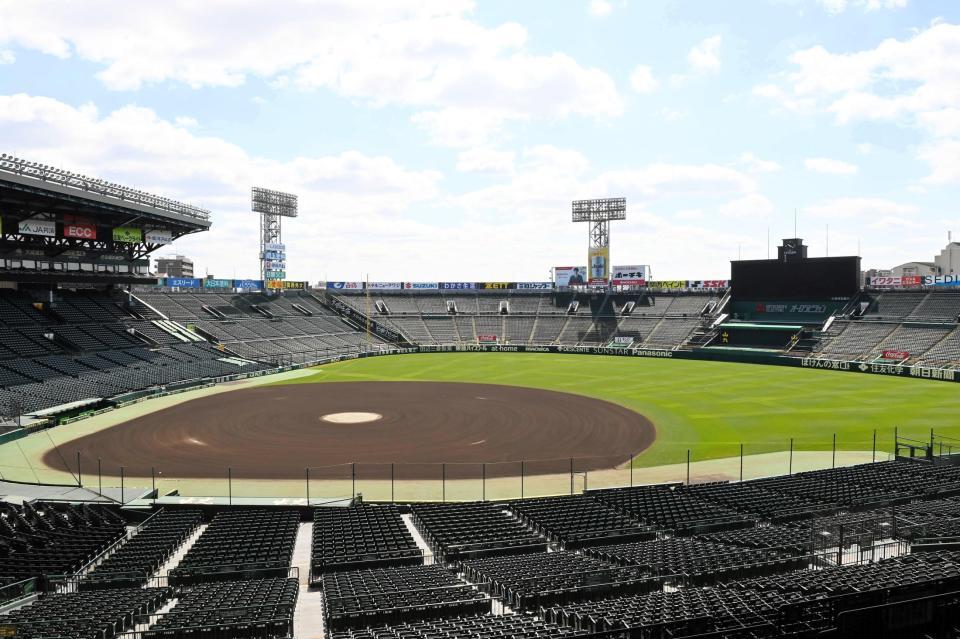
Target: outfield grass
[[707, 407]]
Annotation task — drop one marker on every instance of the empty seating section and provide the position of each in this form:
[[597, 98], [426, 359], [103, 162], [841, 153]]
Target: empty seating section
[[671, 508], [425, 318], [236, 543], [360, 598], [476, 529], [485, 626], [361, 537], [689, 561], [54, 539], [896, 305], [234, 609], [578, 521], [912, 340], [857, 340], [142, 555], [84, 615], [939, 305], [526, 582]]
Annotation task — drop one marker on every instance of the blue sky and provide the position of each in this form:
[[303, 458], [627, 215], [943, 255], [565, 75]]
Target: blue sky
[[444, 139]]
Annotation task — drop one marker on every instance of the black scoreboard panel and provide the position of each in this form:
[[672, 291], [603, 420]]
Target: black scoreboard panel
[[812, 279]]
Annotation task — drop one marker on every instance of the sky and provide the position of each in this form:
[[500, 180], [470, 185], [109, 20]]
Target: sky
[[444, 139]]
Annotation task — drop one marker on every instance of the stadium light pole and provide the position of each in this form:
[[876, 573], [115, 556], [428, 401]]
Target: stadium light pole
[[272, 206], [598, 213]]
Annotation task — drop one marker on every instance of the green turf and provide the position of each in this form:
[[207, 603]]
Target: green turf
[[708, 407]]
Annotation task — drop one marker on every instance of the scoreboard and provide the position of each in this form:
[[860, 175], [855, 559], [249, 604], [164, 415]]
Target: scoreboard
[[811, 279]]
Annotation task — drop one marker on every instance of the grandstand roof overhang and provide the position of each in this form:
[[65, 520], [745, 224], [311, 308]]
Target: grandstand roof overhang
[[23, 196]]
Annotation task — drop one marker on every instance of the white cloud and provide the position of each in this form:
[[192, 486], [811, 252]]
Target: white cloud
[[752, 206], [705, 57], [913, 82], [484, 160], [642, 80], [753, 164], [185, 121], [133, 146], [828, 165], [600, 8], [839, 6], [860, 208], [428, 55], [7, 57]]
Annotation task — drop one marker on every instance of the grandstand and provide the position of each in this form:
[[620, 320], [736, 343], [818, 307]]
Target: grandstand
[[863, 547]]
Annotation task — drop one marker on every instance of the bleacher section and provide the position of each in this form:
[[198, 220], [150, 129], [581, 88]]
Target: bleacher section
[[534, 318], [360, 537]]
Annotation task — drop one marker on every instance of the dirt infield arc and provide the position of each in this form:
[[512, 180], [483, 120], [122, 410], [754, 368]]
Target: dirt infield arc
[[275, 432]]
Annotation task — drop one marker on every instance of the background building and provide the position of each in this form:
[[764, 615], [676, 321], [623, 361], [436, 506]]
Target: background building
[[175, 266]]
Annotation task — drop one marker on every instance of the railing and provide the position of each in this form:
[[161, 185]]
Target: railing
[[97, 186]]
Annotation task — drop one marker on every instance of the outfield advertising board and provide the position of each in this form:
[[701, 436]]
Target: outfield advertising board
[[248, 285], [458, 286], [569, 275], [495, 285], [599, 260], [158, 236], [127, 234], [385, 286], [941, 280], [629, 275], [421, 286], [345, 286], [214, 283], [534, 286], [183, 282]]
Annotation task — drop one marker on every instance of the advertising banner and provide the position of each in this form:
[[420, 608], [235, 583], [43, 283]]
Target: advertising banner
[[941, 280], [79, 227], [128, 234], [631, 275], [384, 286], [599, 258], [274, 247], [345, 286], [496, 285], [622, 339], [486, 339], [569, 275], [457, 286], [45, 228], [535, 286], [183, 282], [248, 285], [709, 284], [286, 285], [211, 283], [422, 286], [667, 284], [893, 281], [158, 236], [897, 355]]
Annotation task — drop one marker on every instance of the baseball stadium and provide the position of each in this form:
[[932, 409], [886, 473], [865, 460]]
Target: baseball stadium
[[767, 454]]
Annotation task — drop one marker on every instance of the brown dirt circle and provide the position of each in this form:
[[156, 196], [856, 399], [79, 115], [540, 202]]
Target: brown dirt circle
[[275, 432]]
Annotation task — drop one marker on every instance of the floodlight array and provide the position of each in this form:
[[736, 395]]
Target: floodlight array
[[44, 173]]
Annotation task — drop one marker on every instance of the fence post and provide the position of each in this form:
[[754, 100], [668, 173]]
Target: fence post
[[443, 482], [229, 485], [153, 485], [571, 475], [122, 500], [353, 480], [896, 439], [833, 460], [741, 462], [391, 482], [631, 470], [79, 474], [790, 470], [874, 446], [306, 472], [521, 479], [99, 476], [483, 481], [688, 467]]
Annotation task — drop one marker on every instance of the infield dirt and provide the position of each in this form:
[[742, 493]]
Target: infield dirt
[[275, 432]]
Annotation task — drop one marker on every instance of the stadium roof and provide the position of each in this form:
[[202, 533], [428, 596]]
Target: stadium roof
[[58, 190]]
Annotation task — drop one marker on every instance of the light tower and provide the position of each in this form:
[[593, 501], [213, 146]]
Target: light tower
[[272, 207], [599, 213]]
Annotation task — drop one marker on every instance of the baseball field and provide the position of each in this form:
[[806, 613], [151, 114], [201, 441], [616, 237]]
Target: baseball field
[[707, 407], [457, 425]]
